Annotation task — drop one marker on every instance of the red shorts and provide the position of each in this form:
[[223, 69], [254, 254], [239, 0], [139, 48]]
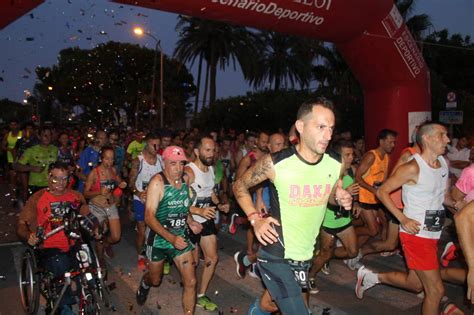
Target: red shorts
[[420, 253]]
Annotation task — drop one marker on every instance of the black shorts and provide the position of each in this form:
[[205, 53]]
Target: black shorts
[[376, 206], [370, 206], [335, 231], [208, 228], [390, 217], [237, 209]]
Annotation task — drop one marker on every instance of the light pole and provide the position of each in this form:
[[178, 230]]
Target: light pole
[[139, 31]]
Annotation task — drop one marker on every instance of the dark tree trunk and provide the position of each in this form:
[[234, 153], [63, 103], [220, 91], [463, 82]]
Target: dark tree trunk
[[206, 85], [198, 86]]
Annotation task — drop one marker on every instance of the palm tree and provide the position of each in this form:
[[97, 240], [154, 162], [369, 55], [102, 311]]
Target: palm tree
[[284, 60], [218, 44], [334, 73], [188, 25], [417, 24]]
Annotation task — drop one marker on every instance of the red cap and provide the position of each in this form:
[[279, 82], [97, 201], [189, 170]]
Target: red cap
[[174, 153]]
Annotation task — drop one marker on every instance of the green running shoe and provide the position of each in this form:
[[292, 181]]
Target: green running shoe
[[206, 303], [166, 268]]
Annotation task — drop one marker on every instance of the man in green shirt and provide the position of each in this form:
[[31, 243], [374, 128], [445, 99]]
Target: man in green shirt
[[136, 146], [303, 179], [36, 161]]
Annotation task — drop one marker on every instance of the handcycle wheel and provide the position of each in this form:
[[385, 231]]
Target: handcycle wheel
[[29, 282], [99, 289], [91, 303], [102, 287]]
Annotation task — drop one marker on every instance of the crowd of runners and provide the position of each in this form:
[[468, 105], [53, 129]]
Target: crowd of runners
[[305, 198]]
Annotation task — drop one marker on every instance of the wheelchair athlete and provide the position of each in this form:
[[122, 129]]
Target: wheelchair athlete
[[46, 208]]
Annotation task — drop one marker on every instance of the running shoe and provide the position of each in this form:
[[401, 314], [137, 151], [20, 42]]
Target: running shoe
[[353, 263], [108, 251], [313, 289], [254, 308], [141, 263], [392, 253], [233, 225], [449, 308], [206, 303], [254, 272], [224, 228], [142, 294], [325, 269], [448, 254], [239, 264], [166, 268], [364, 282]]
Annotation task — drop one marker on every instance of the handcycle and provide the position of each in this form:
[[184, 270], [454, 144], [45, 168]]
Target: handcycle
[[88, 278]]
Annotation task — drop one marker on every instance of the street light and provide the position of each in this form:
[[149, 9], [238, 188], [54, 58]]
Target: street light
[[139, 31]]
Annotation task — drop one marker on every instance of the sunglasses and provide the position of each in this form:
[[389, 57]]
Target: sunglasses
[[57, 179]]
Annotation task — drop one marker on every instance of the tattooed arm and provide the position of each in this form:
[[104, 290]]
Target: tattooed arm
[[263, 169]]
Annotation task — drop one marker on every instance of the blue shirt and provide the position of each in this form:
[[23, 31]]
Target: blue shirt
[[87, 161], [119, 158], [265, 195]]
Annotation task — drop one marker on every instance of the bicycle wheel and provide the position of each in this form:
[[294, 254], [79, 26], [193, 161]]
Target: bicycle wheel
[[29, 282]]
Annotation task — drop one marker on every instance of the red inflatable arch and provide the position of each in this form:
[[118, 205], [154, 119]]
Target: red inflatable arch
[[10, 10], [370, 34]]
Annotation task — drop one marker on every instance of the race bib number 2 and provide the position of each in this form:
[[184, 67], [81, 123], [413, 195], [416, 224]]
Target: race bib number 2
[[434, 220]]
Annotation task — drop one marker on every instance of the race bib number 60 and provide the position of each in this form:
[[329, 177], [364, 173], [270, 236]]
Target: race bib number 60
[[300, 271]]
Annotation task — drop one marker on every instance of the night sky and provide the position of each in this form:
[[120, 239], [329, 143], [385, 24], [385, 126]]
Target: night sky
[[36, 38]]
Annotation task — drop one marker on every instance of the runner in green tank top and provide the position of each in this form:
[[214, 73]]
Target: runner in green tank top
[[303, 179], [338, 223], [167, 218], [172, 213]]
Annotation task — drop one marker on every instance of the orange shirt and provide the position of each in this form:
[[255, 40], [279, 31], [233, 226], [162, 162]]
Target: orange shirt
[[375, 173], [397, 194]]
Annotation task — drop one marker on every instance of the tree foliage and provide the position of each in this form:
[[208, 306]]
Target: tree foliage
[[112, 76], [266, 110], [220, 44], [450, 59], [10, 109], [283, 61], [418, 24]]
